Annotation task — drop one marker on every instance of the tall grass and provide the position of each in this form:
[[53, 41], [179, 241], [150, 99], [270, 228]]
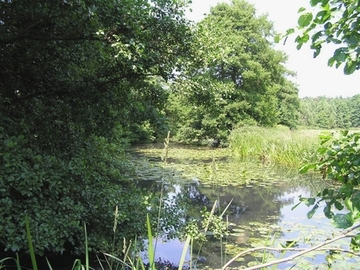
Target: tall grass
[[278, 145]]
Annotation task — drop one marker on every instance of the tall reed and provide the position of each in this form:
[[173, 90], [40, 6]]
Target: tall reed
[[277, 145]]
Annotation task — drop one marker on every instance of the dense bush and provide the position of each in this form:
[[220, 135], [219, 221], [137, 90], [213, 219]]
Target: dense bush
[[59, 195], [80, 79]]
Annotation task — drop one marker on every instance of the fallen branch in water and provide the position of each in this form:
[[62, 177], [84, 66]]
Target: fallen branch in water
[[345, 234]]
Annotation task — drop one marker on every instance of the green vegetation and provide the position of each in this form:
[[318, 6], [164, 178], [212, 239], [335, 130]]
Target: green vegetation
[[330, 113], [340, 162], [236, 78], [278, 146], [81, 80], [251, 243], [332, 21]]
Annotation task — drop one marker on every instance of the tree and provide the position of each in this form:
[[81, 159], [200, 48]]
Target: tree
[[78, 79], [326, 112], [238, 77], [355, 109], [343, 112], [336, 22]]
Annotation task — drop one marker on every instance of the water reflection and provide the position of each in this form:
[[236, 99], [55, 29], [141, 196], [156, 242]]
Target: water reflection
[[261, 199]]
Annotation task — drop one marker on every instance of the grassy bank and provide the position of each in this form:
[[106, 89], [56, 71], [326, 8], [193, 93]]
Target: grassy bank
[[277, 145]]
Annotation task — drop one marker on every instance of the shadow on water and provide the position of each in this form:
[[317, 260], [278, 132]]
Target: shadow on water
[[260, 213]]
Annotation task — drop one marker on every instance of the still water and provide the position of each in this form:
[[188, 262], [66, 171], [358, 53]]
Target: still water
[[258, 201]]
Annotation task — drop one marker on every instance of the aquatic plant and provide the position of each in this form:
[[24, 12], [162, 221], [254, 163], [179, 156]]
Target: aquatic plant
[[278, 146]]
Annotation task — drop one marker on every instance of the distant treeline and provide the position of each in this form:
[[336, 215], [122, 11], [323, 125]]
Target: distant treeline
[[326, 112]]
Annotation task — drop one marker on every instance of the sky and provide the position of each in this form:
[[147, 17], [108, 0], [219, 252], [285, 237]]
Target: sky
[[314, 77]]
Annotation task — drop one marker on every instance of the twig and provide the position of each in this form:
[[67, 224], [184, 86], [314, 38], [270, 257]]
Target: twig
[[345, 234]]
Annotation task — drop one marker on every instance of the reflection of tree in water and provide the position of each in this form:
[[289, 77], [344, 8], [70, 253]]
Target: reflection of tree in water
[[252, 208], [247, 203], [258, 203], [173, 207]]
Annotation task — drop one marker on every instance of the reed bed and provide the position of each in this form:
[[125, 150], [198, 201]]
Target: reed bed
[[278, 145]]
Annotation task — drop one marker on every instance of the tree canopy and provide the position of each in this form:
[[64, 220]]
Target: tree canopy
[[82, 79], [237, 78], [327, 113], [79, 80]]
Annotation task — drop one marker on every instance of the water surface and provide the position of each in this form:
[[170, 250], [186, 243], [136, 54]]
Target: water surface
[[261, 198]]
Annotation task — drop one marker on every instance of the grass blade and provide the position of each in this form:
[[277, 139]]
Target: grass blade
[[48, 263], [100, 263], [183, 255], [17, 261], [226, 208], [86, 249], [119, 260], [31, 247], [151, 254]]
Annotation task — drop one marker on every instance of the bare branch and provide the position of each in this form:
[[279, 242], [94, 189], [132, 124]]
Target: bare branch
[[345, 234]]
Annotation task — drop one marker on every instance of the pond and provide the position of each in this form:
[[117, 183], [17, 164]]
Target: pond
[[257, 199]]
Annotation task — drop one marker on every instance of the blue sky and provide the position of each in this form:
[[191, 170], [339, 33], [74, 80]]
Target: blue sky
[[314, 77]]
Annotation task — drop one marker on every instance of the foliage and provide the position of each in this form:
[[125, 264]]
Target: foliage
[[236, 77], [327, 112], [80, 79], [340, 162], [332, 21], [57, 196], [279, 146], [230, 182]]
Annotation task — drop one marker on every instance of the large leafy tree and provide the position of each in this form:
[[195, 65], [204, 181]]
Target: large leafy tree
[[77, 78], [236, 78]]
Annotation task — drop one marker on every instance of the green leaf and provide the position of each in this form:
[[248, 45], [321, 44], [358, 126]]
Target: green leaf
[[352, 39], [317, 48], [349, 204], [314, 2], [309, 201], [343, 221], [316, 36], [305, 168], [338, 205], [305, 19], [277, 38], [296, 205], [350, 67], [312, 211], [301, 9], [340, 54], [327, 211], [9, 142], [355, 242], [324, 3], [325, 137], [331, 61], [322, 16], [290, 31]]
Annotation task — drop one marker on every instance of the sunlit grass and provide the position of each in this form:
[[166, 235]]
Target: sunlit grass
[[275, 145]]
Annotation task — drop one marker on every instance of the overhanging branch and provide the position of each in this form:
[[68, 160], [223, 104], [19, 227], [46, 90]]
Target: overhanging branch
[[345, 234]]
